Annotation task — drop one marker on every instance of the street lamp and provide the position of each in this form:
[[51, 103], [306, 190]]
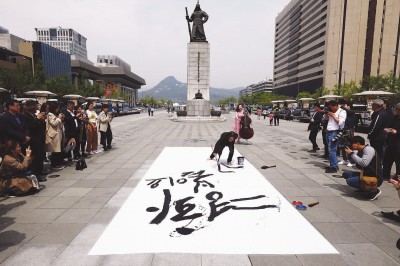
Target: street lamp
[[339, 83], [396, 54]]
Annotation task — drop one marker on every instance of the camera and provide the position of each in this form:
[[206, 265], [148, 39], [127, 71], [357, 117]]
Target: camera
[[343, 138]]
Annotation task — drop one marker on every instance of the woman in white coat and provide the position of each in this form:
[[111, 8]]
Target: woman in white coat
[[105, 128], [54, 135]]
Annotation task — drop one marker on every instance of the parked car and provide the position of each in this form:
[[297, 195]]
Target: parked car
[[136, 110], [126, 111]]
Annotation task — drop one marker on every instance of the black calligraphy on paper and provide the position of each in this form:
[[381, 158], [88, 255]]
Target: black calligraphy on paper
[[185, 209], [197, 177]]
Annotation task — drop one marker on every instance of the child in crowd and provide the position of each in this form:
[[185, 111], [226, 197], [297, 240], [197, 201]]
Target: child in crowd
[[271, 118]]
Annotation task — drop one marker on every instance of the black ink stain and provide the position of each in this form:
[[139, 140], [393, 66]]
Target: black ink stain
[[184, 230]]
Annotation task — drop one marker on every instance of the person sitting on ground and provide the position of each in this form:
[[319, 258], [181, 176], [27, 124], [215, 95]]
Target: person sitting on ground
[[14, 175], [226, 139], [367, 159]]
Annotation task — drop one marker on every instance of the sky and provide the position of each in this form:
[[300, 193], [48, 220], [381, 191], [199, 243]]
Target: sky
[[152, 35]]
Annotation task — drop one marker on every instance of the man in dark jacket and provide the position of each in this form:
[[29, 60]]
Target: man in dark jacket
[[71, 129], [226, 139], [37, 130], [13, 125], [379, 121], [315, 126], [366, 159], [392, 153]]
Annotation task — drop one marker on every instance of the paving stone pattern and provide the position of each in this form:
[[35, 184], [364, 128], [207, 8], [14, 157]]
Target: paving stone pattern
[[59, 225]]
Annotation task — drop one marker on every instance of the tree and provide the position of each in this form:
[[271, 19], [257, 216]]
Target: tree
[[321, 91], [39, 78], [17, 80], [85, 87], [304, 94], [60, 85], [377, 82], [347, 89]]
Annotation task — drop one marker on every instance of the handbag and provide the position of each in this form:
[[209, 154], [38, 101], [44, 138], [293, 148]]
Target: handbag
[[369, 183], [18, 185], [80, 165]]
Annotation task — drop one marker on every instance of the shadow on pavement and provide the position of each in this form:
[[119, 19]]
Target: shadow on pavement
[[318, 164], [10, 238], [384, 219], [4, 209]]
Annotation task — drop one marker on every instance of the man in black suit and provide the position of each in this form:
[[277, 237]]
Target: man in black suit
[[13, 125], [315, 126], [37, 132], [71, 129]]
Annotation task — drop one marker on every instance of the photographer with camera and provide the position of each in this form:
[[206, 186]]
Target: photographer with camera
[[368, 161], [336, 118]]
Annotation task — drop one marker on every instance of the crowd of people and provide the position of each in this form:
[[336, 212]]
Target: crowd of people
[[375, 160], [34, 133], [337, 122]]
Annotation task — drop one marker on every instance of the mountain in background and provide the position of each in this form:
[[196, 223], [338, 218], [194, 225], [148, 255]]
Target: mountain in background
[[172, 89]]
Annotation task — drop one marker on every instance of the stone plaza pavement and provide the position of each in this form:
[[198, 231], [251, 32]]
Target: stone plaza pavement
[[59, 225]]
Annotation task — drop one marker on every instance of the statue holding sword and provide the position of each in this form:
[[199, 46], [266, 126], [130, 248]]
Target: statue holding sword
[[198, 17]]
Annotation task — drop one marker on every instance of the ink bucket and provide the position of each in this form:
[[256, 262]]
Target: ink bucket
[[240, 160]]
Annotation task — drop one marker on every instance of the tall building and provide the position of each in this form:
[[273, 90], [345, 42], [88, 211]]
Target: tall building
[[112, 61], [329, 42], [265, 85], [9, 41], [64, 39], [55, 62]]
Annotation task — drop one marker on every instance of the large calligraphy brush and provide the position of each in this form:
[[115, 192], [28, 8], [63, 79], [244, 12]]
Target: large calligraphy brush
[[218, 163]]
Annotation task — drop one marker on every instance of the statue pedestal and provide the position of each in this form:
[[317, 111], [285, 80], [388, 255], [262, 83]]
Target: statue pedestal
[[198, 70], [198, 108]]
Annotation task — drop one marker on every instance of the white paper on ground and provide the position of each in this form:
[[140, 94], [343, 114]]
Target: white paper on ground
[[277, 230]]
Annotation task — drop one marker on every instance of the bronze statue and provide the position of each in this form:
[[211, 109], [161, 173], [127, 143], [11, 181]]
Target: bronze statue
[[198, 17]]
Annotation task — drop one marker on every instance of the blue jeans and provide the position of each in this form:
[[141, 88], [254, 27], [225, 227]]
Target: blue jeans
[[332, 148], [352, 178]]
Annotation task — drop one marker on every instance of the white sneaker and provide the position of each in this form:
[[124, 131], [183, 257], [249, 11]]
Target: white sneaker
[[341, 162], [91, 153], [350, 165]]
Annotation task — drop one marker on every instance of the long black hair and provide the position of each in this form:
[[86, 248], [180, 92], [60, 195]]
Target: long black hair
[[53, 106]]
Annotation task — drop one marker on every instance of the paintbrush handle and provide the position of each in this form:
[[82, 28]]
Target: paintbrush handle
[[313, 204]]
